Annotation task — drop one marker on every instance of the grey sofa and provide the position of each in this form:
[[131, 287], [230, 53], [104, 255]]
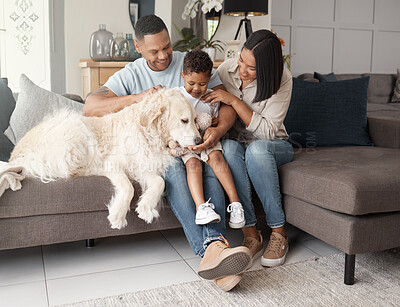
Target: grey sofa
[[348, 196]]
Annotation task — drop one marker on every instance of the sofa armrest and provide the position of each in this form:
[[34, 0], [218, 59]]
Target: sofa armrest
[[384, 131]]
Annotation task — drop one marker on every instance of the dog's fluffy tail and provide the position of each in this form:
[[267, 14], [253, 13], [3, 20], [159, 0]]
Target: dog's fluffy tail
[[10, 176]]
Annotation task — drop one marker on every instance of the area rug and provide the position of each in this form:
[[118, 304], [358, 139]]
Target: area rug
[[317, 282]]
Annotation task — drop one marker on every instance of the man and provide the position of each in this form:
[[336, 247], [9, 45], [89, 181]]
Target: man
[[159, 67]]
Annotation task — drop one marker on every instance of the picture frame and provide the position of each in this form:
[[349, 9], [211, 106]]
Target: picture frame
[[133, 12]]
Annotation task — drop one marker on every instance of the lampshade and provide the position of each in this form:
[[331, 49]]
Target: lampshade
[[246, 7]]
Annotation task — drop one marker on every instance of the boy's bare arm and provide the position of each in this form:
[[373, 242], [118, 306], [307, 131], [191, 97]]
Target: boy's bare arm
[[104, 101]]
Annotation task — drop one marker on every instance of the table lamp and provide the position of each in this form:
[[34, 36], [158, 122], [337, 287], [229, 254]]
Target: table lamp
[[245, 8]]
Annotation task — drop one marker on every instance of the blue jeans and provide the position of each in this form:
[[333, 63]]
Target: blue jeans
[[258, 164], [181, 203]]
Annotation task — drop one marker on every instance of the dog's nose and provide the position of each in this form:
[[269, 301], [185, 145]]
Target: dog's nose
[[198, 140]]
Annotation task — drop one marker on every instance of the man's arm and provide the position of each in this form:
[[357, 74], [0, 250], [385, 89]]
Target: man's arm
[[104, 101]]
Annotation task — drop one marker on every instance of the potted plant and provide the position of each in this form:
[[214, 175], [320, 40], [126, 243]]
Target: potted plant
[[189, 40], [211, 46]]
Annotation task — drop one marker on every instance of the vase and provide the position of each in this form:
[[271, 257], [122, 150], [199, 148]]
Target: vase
[[119, 48], [133, 54], [211, 52], [100, 42], [232, 49]]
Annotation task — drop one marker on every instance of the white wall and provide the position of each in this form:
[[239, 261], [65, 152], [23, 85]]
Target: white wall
[[341, 36], [82, 18], [325, 35], [57, 48], [25, 46], [170, 11]]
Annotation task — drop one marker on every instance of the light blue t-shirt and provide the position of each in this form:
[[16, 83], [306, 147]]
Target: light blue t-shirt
[[137, 77]]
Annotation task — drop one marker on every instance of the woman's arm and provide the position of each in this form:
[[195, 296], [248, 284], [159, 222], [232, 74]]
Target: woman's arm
[[269, 120], [244, 112], [265, 123]]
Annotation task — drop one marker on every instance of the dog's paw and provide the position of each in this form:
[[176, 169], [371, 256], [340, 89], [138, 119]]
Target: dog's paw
[[117, 222], [147, 214]]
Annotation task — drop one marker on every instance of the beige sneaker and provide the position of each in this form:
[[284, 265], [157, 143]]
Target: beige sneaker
[[229, 282], [220, 260], [276, 251], [255, 246]]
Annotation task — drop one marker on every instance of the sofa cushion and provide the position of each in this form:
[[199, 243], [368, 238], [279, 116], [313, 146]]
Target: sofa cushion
[[7, 105], [386, 110], [325, 78], [396, 90], [384, 131], [33, 104], [81, 194], [328, 113], [380, 87], [351, 180]]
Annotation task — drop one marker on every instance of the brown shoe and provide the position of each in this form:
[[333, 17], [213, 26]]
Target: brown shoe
[[220, 260], [255, 246], [276, 251], [229, 282]]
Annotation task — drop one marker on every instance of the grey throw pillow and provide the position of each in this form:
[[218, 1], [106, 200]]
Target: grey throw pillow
[[396, 91], [7, 105], [33, 104]]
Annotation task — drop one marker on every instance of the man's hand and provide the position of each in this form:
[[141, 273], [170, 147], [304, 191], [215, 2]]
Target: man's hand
[[152, 90], [104, 101]]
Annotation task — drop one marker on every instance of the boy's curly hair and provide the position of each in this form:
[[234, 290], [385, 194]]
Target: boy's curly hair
[[197, 61]]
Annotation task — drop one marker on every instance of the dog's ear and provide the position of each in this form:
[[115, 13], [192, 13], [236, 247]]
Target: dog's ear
[[152, 113]]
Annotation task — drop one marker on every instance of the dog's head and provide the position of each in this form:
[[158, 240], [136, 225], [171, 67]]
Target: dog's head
[[169, 113], [181, 122]]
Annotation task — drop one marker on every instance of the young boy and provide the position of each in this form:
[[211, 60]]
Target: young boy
[[196, 74]]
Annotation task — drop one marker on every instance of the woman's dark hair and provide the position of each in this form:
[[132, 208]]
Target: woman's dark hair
[[197, 61], [148, 25], [267, 51]]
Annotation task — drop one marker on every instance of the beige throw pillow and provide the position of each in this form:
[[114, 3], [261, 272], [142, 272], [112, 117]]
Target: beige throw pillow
[[396, 91]]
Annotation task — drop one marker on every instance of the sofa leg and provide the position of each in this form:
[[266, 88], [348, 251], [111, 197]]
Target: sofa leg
[[349, 267], [90, 243]]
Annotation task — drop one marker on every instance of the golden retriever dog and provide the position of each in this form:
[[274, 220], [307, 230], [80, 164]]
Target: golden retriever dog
[[128, 145]]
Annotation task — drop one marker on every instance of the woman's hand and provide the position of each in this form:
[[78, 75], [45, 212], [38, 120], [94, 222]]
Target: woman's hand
[[222, 96], [210, 138]]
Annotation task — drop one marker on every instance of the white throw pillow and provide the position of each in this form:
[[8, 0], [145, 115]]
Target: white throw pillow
[[33, 104]]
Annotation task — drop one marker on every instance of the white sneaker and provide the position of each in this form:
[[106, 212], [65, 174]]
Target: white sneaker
[[206, 214], [237, 215]]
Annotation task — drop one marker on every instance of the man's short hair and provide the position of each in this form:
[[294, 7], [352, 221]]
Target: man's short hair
[[148, 25], [197, 61]]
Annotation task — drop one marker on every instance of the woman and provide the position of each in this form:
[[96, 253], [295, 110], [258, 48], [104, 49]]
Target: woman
[[259, 89]]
